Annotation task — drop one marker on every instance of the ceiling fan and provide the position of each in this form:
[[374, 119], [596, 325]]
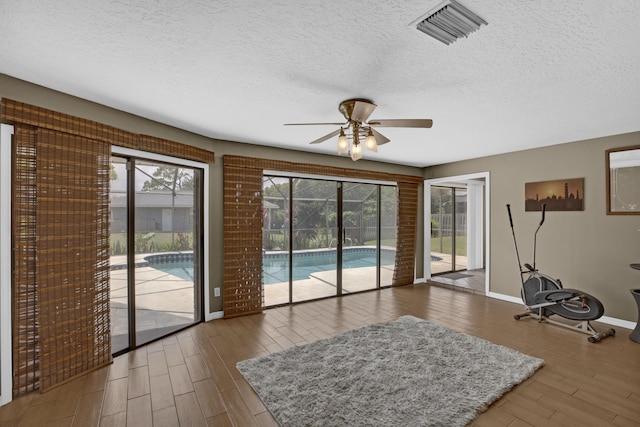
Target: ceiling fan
[[358, 127]]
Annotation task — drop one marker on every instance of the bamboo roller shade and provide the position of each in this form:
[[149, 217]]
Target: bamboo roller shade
[[20, 112], [406, 234], [242, 241], [26, 350], [315, 169], [61, 258], [72, 264], [60, 284], [243, 225]]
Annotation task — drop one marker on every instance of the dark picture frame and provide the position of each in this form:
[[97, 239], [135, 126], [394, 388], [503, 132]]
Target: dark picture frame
[[623, 180], [557, 195]]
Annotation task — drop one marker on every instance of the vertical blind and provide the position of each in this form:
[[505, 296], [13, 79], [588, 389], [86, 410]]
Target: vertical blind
[[243, 225]]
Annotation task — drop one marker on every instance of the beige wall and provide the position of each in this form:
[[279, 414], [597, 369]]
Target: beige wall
[[36, 95], [587, 250]]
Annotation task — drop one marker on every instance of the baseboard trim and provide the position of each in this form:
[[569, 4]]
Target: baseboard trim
[[617, 322], [213, 316]]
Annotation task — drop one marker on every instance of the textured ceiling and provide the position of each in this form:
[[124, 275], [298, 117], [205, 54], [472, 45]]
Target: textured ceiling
[[541, 73]]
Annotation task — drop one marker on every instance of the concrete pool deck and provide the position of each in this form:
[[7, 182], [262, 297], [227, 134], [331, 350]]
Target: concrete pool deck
[[165, 301], [322, 284], [161, 291]]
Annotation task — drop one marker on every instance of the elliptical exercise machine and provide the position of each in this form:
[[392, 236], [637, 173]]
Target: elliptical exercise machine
[[544, 296]]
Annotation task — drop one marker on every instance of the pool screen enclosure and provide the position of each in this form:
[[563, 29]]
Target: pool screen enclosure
[[324, 237]]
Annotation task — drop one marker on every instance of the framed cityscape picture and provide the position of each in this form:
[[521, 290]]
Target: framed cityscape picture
[[557, 195]]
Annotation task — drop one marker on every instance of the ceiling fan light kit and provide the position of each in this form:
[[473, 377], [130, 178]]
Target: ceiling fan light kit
[[356, 152], [370, 142], [343, 144], [357, 111]]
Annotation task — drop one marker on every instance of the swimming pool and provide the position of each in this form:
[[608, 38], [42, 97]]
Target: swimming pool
[[179, 264], [275, 266], [181, 269]]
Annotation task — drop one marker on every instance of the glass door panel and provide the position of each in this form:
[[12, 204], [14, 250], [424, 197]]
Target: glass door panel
[[119, 301], [361, 233], [275, 240], [460, 229], [441, 230], [448, 229], [156, 263], [388, 232], [165, 279], [323, 238], [314, 239]]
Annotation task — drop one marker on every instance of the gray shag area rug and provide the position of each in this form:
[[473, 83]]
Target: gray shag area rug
[[407, 372]]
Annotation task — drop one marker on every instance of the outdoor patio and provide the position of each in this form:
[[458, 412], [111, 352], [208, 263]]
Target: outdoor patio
[[165, 301]]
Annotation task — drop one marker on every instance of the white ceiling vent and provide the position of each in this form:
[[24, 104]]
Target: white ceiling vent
[[448, 22]]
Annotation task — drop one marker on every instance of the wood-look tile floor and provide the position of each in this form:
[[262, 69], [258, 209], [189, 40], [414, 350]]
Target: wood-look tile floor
[[190, 379]]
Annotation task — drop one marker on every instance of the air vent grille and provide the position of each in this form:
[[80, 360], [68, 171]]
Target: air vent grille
[[448, 22]]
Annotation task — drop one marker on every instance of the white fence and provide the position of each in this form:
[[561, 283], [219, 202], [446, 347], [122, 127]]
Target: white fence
[[442, 224]]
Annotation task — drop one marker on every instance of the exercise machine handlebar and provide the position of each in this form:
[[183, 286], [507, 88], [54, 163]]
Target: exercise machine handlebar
[[510, 218], [515, 243], [535, 236]]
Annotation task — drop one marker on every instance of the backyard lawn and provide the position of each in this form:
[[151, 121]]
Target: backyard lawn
[[443, 245]]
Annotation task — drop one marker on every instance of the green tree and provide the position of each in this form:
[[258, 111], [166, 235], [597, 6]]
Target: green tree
[[170, 178], [113, 175]]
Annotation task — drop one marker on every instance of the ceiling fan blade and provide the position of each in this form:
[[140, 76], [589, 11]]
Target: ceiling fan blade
[[324, 138], [314, 124], [380, 138], [402, 123], [362, 111]]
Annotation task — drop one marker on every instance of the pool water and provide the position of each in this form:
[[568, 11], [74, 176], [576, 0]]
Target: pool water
[[275, 269], [182, 269]]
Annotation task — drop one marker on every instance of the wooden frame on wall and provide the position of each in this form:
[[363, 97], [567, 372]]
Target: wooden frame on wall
[[557, 195], [623, 178]]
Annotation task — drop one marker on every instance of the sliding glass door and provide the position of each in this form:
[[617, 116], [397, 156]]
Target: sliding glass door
[[325, 238], [460, 229], [448, 229], [119, 288], [276, 262], [156, 248], [360, 225], [388, 232], [314, 239]]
